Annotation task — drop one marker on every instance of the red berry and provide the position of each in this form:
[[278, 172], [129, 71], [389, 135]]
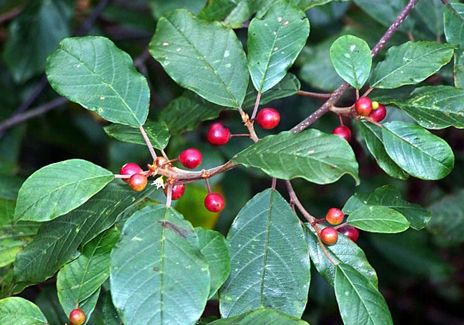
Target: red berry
[[130, 169], [343, 132], [177, 191], [363, 106], [218, 134], [379, 114], [329, 236], [350, 232], [138, 182], [77, 316], [190, 158], [268, 118], [214, 202], [334, 216]]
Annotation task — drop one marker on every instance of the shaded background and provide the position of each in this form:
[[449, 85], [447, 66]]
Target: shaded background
[[421, 273]]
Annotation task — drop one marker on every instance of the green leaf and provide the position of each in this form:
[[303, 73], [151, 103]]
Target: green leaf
[[157, 132], [206, 58], [420, 153], [214, 248], [410, 63], [58, 240], [436, 107], [13, 236], [378, 219], [351, 58], [94, 73], [158, 275], [389, 196], [261, 316], [345, 251], [315, 156], [193, 110], [269, 263], [59, 188], [82, 277], [454, 28], [19, 311], [447, 223], [287, 87], [430, 15], [34, 34], [231, 13], [358, 299], [88, 305], [274, 42], [372, 135]]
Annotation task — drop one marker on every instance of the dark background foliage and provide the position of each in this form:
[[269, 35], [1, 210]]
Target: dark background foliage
[[421, 273]]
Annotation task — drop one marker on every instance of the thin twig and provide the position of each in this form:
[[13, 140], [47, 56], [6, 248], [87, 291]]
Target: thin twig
[[249, 125], [148, 143], [168, 195], [9, 15], [255, 108], [294, 199], [338, 93], [274, 183], [39, 110], [87, 25], [313, 94]]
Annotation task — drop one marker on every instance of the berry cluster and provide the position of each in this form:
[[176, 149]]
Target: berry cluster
[[77, 316], [364, 107], [329, 235]]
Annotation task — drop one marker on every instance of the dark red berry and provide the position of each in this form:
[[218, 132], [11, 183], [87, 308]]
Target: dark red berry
[[190, 158], [343, 132], [268, 118], [218, 134], [138, 182], [130, 169], [329, 236], [214, 202], [379, 114], [77, 317], [177, 191], [363, 106], [334, 216], [350, 231]]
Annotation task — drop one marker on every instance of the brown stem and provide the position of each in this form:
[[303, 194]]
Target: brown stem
[[9, 15], [294, 199], [249, 125], [168, 195], [255, 109], [338, 93], [313, 94], [148, 143]]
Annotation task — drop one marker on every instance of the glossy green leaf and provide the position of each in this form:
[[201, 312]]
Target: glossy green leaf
[[447, 223], [186, 112], [163, 7], [261, 316], [94, 73], [34, 34], [358, 299], [380, 219], [351, 58], [420, 153], [274, 42], [436, 107], [344, 251], [158, 275], [231, 13], [410, 63], [19, 311], [287, 87], [389, 196], [454, 28], [215, 249], [269, 262], [59, 188], [82, 277], [13, 236], [315, 156], [58, 240], [206, 58], [372, 135], [157, 132]]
